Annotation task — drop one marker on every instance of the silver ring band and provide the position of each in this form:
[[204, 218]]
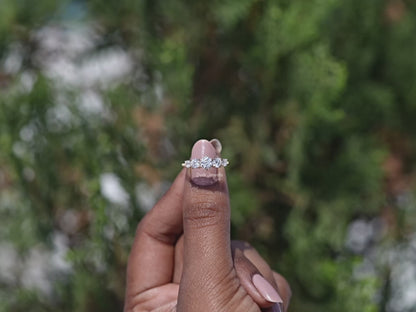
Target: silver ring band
[[205, 163]]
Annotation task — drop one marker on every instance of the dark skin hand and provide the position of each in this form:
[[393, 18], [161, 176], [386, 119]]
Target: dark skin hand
[[182, 258]]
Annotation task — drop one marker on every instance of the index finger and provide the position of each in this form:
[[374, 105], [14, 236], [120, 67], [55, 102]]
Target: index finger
[[151, 258]]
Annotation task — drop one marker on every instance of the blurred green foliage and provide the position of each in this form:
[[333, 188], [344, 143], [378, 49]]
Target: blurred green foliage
[[314, 102]]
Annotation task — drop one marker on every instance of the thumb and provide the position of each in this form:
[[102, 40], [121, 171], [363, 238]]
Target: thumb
[[208, 266]]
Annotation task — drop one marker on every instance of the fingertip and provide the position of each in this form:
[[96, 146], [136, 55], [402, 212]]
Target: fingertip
[[257, 287], [202, 154], [265, 289], [217, 145]]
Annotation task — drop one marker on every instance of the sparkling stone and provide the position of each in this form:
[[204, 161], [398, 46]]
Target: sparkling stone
[[206, 162], [225, 162], [187, 164], [195, 163], [217, 162]]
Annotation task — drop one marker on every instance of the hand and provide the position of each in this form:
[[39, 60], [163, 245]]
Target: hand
[[182, 258]]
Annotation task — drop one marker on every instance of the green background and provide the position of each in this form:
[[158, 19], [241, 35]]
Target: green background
[[314, 102]]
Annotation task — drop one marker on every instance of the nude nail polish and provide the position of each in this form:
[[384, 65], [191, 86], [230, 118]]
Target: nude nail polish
[[201, 176], [278, 307], [266, 289], [217, 145]]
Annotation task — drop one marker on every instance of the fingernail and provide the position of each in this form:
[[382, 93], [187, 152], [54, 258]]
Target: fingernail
[[217, 145], [278, 307], [266, 289], [201, 176]]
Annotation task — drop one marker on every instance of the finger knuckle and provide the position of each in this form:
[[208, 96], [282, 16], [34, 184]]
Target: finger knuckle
[[204, 212]]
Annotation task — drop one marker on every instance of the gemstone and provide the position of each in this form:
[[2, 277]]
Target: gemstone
[[217, 162], [195, 163], [206, 162]]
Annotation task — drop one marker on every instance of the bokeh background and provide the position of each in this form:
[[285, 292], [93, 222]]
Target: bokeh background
[[313, 100]]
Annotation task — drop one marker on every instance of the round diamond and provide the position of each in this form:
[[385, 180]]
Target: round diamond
[[195, 163], [217, 162], [206, 162]]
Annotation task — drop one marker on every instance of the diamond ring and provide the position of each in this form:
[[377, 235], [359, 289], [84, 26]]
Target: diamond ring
[[205, 163]]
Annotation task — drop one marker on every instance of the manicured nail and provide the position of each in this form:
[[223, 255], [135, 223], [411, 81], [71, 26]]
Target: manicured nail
[[265, 289], [278, 307], [217, 145], [201, 176]]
